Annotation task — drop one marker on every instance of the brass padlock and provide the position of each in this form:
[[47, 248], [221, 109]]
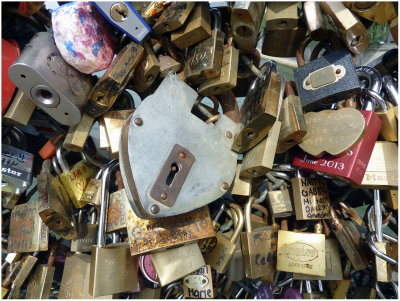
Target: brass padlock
[[228, 77], [315, 20], [280, 201], [85, 243], [112, 269], [75, 179], [283, 30], [225, 247], [388, 117], [380, 174], [196, 29], [9, 199], [113, 82], [104, 144], [199, 284], [313, 295], [258, 246], [349, 238], [55, 208], [116, 212], [301, 253], [350, 29], [339, 288], [259, 110], [20, 110], [113, 123], [392, 199], [240, 186], [147, 70], [173, 264], [246, 18], [311, 198], [204, 60], [168, 65], [40, 283], [293, 124], [173, 17], [76, 137], [378, 12]]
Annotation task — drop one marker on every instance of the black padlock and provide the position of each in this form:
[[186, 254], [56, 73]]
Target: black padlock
[[326, 80]]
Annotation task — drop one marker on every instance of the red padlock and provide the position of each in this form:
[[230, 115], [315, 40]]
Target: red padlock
[[9, 53]]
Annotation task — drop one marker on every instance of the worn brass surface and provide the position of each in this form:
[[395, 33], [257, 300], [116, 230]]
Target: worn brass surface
[[379, 12], [339, 288], [382, 170], [382, 267], [392, 199], [28, 262], [259, 160], [77, 134], [9, 199], [40, 283], [85, 243], [113, 122], [113, 82], [199, 284], [389, 125], [104, 143], [20, 110], [116, 213], [301, 253], [315, 20], [173, 17], [332, 131], [228, 77], [240, 186], [281, 15], [349, 28], [280, 203], [196, 29], [173, 264], [167, 65]]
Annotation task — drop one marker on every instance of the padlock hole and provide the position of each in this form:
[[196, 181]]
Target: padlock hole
[[171, 176]]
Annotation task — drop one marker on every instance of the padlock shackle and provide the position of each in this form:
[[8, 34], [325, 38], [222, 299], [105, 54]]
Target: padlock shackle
[[374, 249], [55, 166], [377, 98], [289, 88], [335, 219], [216, 18], [378, 215], [300, 51], [61, 160], [390, 89], [105, 196], [247, 214], [229, 105], [351, 213], [263, 210], [239, 228]]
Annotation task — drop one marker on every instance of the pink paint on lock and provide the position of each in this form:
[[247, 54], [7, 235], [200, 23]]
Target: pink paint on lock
[[83, 36], [147, 268]]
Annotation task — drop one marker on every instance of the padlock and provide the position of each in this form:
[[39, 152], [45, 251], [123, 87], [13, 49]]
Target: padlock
[[301, 253], [225, 247], [146, 71], [95, 48], [332, 259], [241, 186], [113, 82], [173, 264], [199, 284], [173, 17], [20, 110], [314, 295], [392, 199], [332, 132], [349, 238], [350, 29], [75, 178], [27, 231], [85, 243], [283, 29], [326, 79], [339, 288], [280, 201], [173, 178], [76, 137], [388, 117], [293, 124], [49, 149], [9, 199], [228, 77], [258, 246], [16, 169], [314, 20], [113, 122], [349, 168], [196, 29], [109, 261], [246, 20], [57, 88], [168, 65], [379, 174], [40, 283], [92, 193], [311, 198], [116, 212], [378, 12], [55, 208], [124, 16], [204, 60], [259, 110]]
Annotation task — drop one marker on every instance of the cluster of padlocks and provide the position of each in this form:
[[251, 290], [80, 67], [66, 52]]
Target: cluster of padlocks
[[166, 150]]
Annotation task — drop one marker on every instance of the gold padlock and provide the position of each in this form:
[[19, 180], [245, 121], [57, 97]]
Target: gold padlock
[[280, 201], [77, 134], [246, 20], [258, 246], [392, 199], [85, 243], [20, 110], [378, 12], [199, 284], [173, 17], [104, 144], [113, 82], [168, 65], [350, 29], [315, 20], [241, 186], [196, 29]]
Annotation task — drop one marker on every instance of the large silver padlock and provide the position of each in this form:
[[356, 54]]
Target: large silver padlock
[[42, 74], [167, 153]]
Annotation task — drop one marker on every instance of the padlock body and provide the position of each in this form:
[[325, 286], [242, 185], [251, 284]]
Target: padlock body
[[40, 284], [221, 255], [280, 203], [116, 212], [350, 167], [199, 285]]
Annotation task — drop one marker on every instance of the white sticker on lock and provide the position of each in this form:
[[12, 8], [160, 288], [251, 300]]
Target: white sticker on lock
[[196, 281]]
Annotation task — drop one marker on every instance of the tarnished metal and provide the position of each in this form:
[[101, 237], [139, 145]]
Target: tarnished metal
[[117, 210], [173, 17]]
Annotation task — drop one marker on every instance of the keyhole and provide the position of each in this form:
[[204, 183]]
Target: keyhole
[[122, 13], [172, 174]]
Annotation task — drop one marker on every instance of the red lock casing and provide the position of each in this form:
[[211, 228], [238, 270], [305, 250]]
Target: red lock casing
[[9, 53], [351, 167]]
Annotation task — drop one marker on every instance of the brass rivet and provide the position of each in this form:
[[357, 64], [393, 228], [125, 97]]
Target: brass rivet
[[164, 196], [225, 186], [182, 155], [308, 83], [155, 209], [228, 134], [138, 121], [338, 71]]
